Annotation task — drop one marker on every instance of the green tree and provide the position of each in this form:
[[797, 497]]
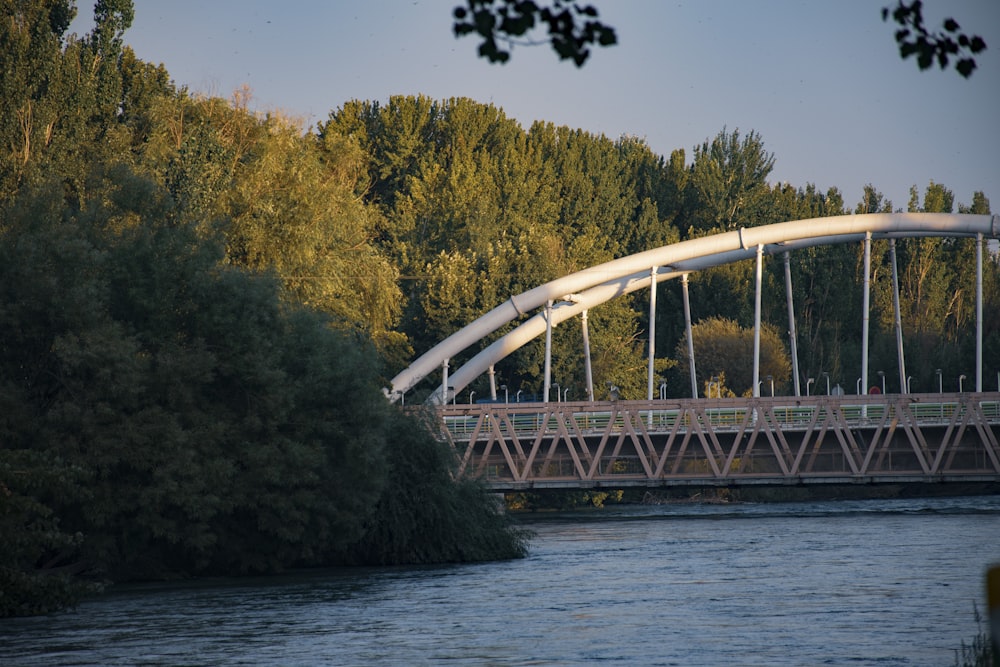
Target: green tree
[[216, 427], [283, 201], [926, 282], [592, 190], [167, 414], [31, 40], [723, 348], [39, 561], [659, 185], [61, 99], [476, 209], [728, 180], [454, 521]]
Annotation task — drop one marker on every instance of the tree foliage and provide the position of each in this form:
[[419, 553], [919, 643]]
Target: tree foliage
[[572, 27], [216, 427], [457, 521], [724, 349], [189, 369], [478, 209], [728, 181], [915, 40], [211, 426]]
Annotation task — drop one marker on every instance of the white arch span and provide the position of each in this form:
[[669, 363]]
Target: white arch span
[[576, 292]]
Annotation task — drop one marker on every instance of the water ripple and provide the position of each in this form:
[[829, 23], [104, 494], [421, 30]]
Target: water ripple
[[842, 583]]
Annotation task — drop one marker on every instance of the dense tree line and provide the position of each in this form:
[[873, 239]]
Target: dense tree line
[[479, 209], [200, 303]]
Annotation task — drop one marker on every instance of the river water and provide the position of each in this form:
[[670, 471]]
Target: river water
[[887, 582]]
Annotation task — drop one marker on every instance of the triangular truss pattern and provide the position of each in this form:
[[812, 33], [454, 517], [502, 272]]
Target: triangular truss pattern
[[727, 441]]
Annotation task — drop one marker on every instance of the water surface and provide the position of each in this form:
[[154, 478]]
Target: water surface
[[827, 583]]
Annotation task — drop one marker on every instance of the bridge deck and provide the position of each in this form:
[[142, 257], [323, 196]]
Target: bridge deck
[[728, 442]]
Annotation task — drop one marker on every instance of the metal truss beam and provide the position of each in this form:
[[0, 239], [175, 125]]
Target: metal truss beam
[[732, 442]]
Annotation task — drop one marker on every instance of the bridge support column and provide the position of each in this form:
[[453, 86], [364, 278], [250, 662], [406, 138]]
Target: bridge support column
[[548, 351], [493, 383], [756, 320], [652, 333], [588, 373], [791, 323], [444, 382], [903, 389], [687, 326], [864, 316], [979, 313]]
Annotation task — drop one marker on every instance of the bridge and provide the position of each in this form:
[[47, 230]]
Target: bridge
[[783, 440], [861, 438]]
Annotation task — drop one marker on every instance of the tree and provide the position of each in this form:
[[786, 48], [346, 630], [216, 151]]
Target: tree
[[597, 203], [658, 186], [425, 515], [61, 98], [215, 428], [728, 179], [723, 348], [476, 209], [166, 414], [282, 201], [39, 560], [31, 39]]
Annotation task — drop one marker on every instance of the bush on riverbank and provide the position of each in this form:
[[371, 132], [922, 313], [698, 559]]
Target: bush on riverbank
[[164, 415], [558, 499], [425, 516], [980, 652]]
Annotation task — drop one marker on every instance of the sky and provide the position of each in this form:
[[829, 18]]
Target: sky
[[820, 81]]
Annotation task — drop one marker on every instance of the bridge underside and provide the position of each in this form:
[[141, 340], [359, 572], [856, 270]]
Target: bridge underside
[[781, 441]]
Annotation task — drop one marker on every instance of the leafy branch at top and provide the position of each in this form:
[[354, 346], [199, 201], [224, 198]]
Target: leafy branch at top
[[572, 27], [914, 39]]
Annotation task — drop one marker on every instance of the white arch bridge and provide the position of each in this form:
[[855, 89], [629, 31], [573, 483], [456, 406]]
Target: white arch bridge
[[723, 441]]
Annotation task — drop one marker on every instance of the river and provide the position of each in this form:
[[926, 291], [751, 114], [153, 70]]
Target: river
[[886, 582]]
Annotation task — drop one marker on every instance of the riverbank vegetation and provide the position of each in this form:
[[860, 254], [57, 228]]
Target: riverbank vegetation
[[200, 304], [558, 499], [980, 652]]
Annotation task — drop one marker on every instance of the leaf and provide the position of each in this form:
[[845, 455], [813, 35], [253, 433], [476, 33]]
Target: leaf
[[505, 20]]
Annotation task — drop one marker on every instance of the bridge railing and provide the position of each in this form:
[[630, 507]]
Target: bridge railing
[[462, 420]]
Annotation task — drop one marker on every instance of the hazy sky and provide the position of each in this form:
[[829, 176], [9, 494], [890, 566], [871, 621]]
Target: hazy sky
[[820, 80]]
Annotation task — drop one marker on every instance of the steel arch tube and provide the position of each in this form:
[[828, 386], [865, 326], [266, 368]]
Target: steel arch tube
[[695, 254]]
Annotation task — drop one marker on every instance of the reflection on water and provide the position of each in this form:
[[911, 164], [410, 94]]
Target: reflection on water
[[835, 583]]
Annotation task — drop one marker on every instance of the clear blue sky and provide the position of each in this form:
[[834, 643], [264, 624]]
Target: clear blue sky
[[820, 80]]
